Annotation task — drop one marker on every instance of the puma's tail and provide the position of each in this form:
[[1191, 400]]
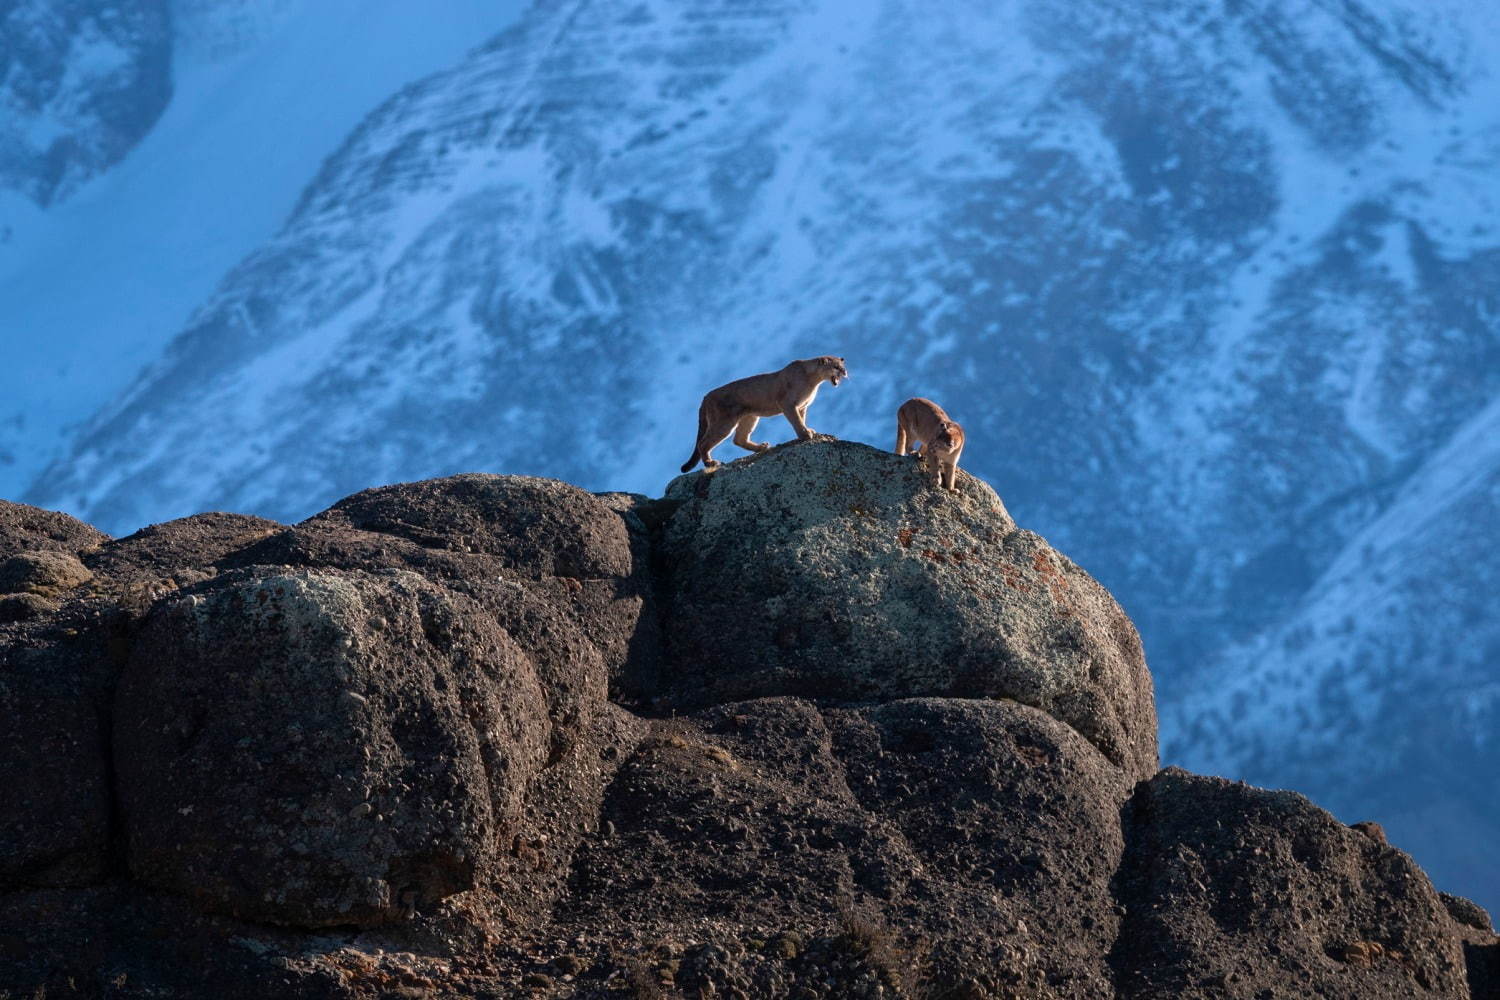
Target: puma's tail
[[697, 441]]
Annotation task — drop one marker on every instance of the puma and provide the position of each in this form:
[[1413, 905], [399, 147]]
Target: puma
[[738, 406], [942, 439]]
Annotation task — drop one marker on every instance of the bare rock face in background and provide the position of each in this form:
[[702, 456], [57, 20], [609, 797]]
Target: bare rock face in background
[[803, 728], [832, 569]]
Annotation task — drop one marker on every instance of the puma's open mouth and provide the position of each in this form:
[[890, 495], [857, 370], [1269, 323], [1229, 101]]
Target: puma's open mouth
[[836, 379]]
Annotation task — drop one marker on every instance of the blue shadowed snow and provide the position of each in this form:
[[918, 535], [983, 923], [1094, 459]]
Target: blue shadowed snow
[[94, 288]]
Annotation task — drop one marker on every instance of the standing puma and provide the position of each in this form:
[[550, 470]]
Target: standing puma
[[738, 406], [942, 439]]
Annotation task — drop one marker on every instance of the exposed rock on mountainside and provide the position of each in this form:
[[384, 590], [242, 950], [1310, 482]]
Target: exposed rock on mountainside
[[80, 83], [474, 737]]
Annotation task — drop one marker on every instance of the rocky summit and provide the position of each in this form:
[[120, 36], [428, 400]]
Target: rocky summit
[[803, 727]]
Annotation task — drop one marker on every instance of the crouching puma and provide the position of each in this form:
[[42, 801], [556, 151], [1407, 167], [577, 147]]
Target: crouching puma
[[738, 406], [942, 439]]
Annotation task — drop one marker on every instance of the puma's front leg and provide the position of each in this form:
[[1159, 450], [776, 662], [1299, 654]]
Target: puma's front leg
[[794, 417], [802, 412]]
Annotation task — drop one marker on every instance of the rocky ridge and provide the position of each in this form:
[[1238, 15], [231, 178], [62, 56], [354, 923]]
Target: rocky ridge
[[1211, 285], [803, 727]]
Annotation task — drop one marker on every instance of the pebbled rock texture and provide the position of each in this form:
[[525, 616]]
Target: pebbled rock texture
[[56, 679], [1334, 910], [318, 748], [24, 528]]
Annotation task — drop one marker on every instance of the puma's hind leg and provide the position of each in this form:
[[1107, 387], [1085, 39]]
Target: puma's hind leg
[[718, 427], [900, 438], [742, 432]]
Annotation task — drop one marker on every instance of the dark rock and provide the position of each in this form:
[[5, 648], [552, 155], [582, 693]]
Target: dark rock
[[26, 528], [323, 748], [373, 754], [55, 682], [116, 940], [489, 537], [25, 607], [1014, 818], [832, 569], [535, 527], [1467, 912], [1232, 890], [173, 554], [43, 573], [540, 531], [986, 830]]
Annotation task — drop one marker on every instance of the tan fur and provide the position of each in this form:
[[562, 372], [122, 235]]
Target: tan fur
[[942, 439], [737, 407]]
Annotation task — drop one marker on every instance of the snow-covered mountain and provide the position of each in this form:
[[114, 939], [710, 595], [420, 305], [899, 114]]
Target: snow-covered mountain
[[97, 276], [1214, 288]]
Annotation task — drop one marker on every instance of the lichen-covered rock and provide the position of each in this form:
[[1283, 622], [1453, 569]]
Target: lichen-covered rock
[[56, 677], [26, 528], [1232, 890], [833, 569], [46, 574], [323, 748], [896, 752]]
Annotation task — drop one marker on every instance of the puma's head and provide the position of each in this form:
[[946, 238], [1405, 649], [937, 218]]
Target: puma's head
[[832, 368], [949, 437]]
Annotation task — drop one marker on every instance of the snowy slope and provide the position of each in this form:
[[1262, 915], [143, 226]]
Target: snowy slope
[[93, 287], [1393, 650], [80, 82], [1214, 289]]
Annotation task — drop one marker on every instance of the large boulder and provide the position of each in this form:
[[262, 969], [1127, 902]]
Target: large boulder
[[835, 570], [56, 677], [321, 748], [556, 567], [1237, 891], [1014, 818]]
